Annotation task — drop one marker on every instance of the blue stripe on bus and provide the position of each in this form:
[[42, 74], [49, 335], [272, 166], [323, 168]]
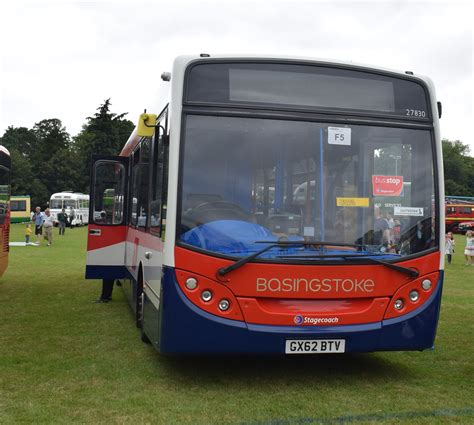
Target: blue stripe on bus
[[186, 329]]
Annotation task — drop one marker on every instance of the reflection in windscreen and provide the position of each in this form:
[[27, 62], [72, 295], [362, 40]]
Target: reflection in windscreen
[[252, 180], [108, 199]]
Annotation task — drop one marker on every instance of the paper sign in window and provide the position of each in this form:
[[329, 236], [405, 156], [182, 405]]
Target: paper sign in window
[[408, 211], [387, 185], [352, 202], [339, 136]]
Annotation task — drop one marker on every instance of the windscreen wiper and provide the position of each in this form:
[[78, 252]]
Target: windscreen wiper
[[311, 242], [362, 257], [224, 270]]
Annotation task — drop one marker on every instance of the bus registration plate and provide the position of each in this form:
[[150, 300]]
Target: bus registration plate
[[309, 346]]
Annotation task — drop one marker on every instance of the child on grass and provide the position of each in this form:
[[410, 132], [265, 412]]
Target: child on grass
[[469, 250], [449, 246], [27, 233]]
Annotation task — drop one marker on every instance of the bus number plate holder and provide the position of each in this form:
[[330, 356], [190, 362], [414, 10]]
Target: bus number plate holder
[[312, 346]]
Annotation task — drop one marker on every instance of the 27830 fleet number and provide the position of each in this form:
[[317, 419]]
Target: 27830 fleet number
[[415, 113]]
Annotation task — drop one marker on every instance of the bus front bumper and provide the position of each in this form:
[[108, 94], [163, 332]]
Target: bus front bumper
[[186, 329]]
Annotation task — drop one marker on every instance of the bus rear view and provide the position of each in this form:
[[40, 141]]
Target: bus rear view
[[302, 203]]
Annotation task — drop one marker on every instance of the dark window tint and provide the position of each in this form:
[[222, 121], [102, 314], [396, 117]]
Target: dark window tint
[[18, 205], [160, 174], [140, 177], [305, 87], [109, 192]]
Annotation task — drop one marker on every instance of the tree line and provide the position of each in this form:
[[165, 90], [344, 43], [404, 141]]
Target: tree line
[[458, 169], [46, 159]]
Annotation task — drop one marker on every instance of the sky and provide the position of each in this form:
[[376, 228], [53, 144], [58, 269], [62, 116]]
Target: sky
[[61, 59]]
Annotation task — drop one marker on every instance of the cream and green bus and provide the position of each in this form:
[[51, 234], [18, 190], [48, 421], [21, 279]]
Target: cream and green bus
[[20, 207]]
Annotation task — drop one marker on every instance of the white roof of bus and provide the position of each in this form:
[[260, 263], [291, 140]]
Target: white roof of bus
[[185, 59], [69, 195]]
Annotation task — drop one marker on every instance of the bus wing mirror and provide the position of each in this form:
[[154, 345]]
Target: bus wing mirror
[[146, 125]]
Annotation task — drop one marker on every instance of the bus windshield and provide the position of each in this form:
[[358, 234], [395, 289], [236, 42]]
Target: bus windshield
[[56, 203], [248, 181], [70, 203]]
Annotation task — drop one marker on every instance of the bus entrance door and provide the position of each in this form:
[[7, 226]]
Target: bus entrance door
[[107, 218]]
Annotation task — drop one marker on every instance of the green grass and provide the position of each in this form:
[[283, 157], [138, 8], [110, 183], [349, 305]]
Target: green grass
[[64, 359]]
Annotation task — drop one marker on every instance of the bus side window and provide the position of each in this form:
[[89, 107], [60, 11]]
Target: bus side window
[[140, 179], [109, 188], [4, 192], [159, 187]]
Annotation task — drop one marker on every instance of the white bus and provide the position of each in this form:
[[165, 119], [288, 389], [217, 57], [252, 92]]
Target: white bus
[[78, 201]]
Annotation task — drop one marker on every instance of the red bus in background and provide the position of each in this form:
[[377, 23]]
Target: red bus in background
[[458, 213], [5, 166]]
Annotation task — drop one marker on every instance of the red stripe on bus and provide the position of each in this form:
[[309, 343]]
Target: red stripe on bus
[[305, 281], [109, 235]]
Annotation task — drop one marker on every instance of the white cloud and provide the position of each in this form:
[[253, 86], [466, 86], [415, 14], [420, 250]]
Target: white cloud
[[62, 60]]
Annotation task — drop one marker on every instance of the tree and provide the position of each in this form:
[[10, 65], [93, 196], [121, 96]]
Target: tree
[[51, 137], [43, 161], [46, 160], [20, 142], [20, 139], [104, 133], [458, 169]]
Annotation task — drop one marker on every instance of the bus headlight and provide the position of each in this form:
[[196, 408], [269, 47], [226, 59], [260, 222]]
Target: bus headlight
[[414, 296], [398, 304], [206, 295], [426, 284], [191, 283], [224, 305]]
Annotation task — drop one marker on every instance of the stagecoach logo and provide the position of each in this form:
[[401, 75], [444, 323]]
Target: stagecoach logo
[[300, 320], [334, 285]]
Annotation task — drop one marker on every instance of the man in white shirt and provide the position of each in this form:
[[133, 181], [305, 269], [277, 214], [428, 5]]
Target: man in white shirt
[[48, 226]]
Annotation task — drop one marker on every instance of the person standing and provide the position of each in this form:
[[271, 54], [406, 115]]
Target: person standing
[[381, 228], [448, 247], [452, 240], [469, 250], [48, 226], [106, 294], [38, 219], [72, 215], [28, 232], [62, 221]]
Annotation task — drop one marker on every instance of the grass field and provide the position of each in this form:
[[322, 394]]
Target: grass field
[[64, 359]]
